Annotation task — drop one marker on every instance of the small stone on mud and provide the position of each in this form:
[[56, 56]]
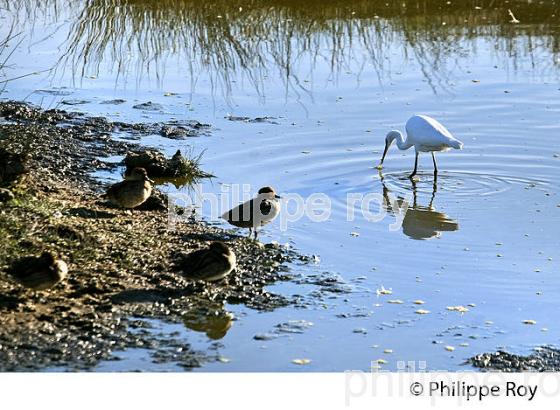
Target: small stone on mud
[[294, 326], [117, 101], [148, 106], [265, 336], [6, 195]]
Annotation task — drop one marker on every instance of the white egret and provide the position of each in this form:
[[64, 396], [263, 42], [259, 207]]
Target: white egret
[[426, 135]]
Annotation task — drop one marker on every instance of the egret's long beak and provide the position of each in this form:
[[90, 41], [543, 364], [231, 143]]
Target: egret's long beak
[[384, 154], [277, 196], [151, 181]]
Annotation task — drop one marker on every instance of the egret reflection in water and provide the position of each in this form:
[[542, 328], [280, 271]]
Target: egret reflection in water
[[421, 222]]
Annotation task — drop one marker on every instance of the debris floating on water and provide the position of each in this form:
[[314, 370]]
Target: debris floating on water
[[460, 309], [301, 361], [513, 19], [383, 291]]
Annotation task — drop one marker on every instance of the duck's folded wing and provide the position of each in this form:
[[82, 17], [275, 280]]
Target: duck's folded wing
[[38, 279], [209, 269], [191, 262], [114, 189]]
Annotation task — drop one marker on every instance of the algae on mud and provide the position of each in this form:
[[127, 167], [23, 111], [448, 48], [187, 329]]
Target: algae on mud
[[543, 359], [121, 265]]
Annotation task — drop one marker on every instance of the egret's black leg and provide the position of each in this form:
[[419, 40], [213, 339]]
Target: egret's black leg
[[434, 190], [414, 193], [435, 164], [415, 166], [250, 233]]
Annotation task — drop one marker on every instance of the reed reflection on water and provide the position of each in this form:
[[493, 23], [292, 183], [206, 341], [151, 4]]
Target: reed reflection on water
[[255, 39]]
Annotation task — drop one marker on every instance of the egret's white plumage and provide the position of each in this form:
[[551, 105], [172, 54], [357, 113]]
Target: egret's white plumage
[[425, 134]]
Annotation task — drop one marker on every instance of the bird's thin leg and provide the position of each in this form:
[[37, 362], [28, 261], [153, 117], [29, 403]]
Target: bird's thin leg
[[250, 233], [414, 193], [435, 164], [256, 233], [434, 190], [415, 166]]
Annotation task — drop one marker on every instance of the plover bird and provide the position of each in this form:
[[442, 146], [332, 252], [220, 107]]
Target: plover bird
[[256, 212], [38, 273], [131, 192], [210, 264]]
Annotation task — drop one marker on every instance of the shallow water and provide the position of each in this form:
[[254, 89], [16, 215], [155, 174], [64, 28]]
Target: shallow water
[[334, 79]]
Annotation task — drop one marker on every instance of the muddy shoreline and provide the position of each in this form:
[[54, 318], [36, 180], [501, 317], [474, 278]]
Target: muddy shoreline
[[121, 264], [543, 359]]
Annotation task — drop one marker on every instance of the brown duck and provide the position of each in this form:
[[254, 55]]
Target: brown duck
[[131, 192], [210, 264], [39, 273]]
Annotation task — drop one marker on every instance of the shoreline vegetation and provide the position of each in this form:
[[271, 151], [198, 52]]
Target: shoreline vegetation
[[121, 265]]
